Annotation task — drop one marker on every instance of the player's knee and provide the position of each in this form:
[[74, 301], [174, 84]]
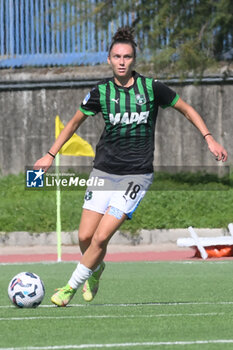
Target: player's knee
[[84, 237], [100, 240]]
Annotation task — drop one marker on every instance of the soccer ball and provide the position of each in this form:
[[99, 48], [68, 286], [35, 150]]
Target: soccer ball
[[26, 290]]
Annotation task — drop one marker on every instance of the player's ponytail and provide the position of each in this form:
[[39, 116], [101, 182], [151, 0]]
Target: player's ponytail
[[124, 35]]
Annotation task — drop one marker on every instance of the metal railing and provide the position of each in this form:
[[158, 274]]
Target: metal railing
[[53, 32], [71, 32]]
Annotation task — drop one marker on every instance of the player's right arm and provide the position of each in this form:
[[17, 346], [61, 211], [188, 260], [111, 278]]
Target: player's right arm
[[46, 161]]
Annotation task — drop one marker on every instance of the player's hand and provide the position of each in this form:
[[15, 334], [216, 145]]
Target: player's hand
[[43, 163], [218, 151]]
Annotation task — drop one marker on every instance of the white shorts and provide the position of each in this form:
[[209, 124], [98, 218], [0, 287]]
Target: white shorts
[[123, 192]]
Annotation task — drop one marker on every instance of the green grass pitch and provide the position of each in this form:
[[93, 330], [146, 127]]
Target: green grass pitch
[[141, 305]]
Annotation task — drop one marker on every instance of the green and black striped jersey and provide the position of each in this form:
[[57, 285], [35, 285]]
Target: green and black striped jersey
[[126, 145]]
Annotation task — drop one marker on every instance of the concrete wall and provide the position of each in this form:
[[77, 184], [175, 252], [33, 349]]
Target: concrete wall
[[28, 111]]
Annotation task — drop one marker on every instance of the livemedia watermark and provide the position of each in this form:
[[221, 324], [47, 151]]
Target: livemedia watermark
[[166, 178], [60, 180]]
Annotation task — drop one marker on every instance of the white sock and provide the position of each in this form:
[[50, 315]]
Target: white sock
[[79, 276]]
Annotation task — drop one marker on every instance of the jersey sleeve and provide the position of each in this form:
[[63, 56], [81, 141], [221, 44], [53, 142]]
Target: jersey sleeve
[[91, 102], [166, 97]]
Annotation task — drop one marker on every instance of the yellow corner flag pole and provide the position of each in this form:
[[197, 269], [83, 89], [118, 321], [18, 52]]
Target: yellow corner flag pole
[[75, 146], [58, 200]]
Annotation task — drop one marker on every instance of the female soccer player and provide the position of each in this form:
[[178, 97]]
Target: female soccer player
[[129, 104]]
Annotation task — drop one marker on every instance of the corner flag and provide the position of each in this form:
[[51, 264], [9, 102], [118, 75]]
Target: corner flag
[[75, 146]]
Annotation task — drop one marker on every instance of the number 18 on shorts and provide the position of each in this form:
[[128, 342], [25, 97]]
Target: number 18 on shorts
[[123, 192]]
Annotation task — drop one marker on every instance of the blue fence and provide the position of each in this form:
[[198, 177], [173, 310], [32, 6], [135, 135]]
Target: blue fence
[[53, 32]]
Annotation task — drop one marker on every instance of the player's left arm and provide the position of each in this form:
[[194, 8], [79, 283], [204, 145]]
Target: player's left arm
[[194, 117]]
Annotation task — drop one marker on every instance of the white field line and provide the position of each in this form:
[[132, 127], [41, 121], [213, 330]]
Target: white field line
[[180, 262], [123, 345], [35, 263], [32, 318], [133, 304]]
